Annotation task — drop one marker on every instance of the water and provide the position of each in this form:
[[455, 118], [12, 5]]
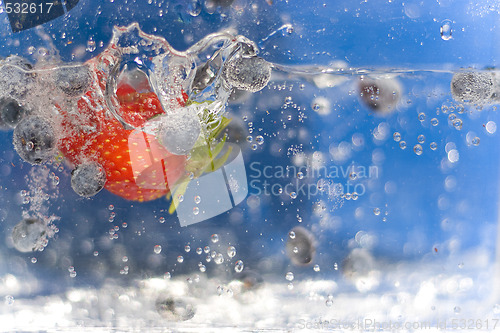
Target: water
[[174, 174]]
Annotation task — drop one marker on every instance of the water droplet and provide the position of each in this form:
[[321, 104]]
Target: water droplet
[[446, 30], [157, 249], [316, 268], [214, 238], [289, 276], [434, 122], [238, 267], [397, 136], [418, 149], [180, 259], [231, 251], [402, 145]]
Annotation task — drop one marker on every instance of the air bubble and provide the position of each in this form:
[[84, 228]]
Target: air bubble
[[433, 145], [238, 267], [402, 145], [434, 122], [421, 138], [180, 259], [397, 136], [418, 149], [157, 249], [289, 276], [231, 251], [446, 30], [214, 238]]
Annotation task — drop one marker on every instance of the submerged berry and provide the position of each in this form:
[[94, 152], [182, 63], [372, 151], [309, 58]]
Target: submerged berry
[[88, 179], [35, 140]]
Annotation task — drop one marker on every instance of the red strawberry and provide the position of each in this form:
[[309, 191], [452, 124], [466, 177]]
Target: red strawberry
[[137, 166]]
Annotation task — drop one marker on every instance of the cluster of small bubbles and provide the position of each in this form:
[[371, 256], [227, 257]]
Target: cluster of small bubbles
[[289, 276], [259, 139], [336, 266], [238, 266], [293, 195], [418, 149], [196, 210], [9, 300], [199, 250], [329, 301], [187, 248], [214, 238], [316, 268], [197, 199], [433, 145], [421, 138], [180, 259], [161, 219], [402, 145], [397, 136], [231, 251], [421, 116], [72, 272], [434, 122], [157, 249], [219, 259]]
